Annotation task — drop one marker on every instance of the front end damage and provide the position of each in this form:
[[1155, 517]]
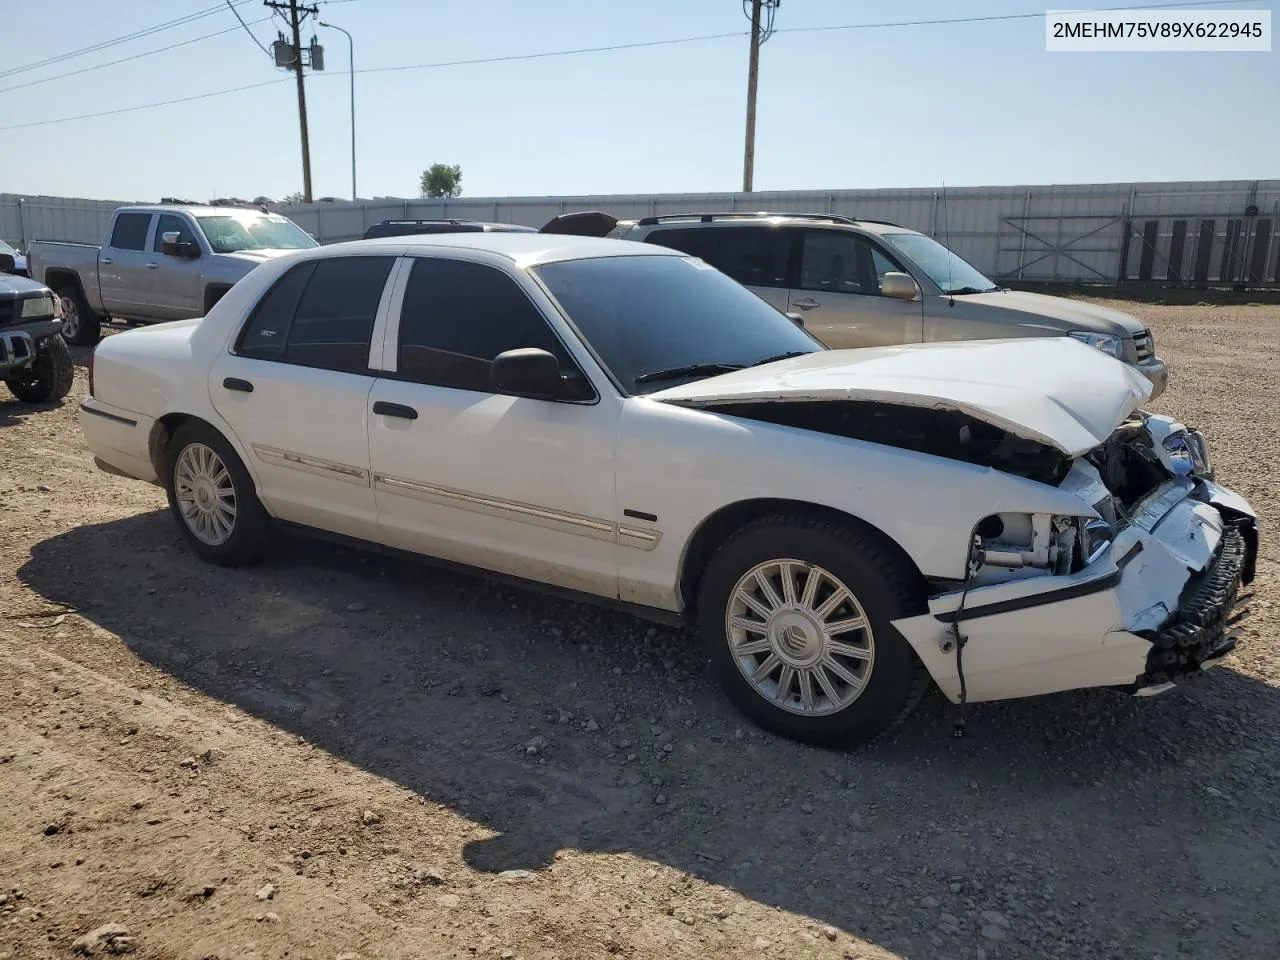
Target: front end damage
[[1141, 590]]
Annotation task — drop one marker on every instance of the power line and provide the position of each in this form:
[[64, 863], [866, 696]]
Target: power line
[[585, 50], [136, 56], [136, 35], [232, 8]]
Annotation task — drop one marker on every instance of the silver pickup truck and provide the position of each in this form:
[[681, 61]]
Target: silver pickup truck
[[158, 263]]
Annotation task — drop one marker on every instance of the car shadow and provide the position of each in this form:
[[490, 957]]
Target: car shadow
[[1111, 825]]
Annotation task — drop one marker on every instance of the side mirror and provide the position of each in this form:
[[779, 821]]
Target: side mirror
[[901, 286], [175, 248], [796, 318], [526, 372]]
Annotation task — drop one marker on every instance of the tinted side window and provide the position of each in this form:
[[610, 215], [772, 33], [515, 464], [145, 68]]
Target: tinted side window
[[457, 316], [320, 314], [130, 231], [170, 224], [754, 256], [837, 262]]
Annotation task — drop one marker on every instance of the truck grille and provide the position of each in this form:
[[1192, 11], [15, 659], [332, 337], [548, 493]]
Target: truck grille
[[1145, 344]]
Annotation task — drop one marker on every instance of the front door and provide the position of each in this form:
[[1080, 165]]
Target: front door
[[837, 292], [296, 392], [177, 293], [519, 486], [125, 272]]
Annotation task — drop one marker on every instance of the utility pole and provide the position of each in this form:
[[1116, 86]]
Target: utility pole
[[296, 15], [752, 76], [761, 10]]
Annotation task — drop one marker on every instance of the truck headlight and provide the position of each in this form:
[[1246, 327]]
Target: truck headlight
[[1111, 345], [39, 307], [1187, 453]]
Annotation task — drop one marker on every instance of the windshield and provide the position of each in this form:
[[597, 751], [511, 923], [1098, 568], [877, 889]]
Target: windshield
[[229, 232], [5, 248], [942, 266], [655, 321]]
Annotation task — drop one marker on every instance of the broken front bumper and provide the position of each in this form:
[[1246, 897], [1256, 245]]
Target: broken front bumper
[[1157, 608]]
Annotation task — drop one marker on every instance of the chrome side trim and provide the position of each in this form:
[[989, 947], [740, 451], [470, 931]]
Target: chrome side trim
[[571, 523], [638, 538], [313, 465]]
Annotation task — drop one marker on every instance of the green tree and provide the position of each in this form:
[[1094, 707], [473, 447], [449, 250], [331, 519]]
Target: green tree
[[441, 180], [295, 197]]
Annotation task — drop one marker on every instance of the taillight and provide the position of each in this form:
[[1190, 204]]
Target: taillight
[[91, 355]]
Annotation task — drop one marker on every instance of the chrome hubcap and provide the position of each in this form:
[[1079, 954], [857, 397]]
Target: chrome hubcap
[[70, 317], [205, 494], [800, 637]]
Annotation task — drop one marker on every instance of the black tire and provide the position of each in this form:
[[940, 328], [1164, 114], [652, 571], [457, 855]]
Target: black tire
[[50, 375], [251, 524], [80, 325], [884, 586]]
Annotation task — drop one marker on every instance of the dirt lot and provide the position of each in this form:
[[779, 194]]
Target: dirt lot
[[334, 755]]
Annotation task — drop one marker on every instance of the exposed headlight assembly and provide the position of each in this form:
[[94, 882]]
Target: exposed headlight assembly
[[1011, 546], [1186, 453], [1111, 345]]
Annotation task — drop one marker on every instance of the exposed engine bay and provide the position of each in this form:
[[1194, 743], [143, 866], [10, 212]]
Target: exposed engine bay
[[940, 432]]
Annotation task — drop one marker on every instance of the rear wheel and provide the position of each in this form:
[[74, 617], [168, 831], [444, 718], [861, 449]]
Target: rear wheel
[[80, 325], [795, 613], [50, 375], [212, 498]]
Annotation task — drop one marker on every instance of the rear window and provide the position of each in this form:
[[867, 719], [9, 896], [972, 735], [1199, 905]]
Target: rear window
[[130, 231], [754, 256]]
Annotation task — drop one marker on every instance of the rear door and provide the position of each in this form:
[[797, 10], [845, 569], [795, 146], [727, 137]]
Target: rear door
[[295, 390], [756, 255], [127, 268], [177, 293], [837, 291]]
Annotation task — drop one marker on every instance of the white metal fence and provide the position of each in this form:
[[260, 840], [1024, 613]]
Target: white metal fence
[[1189, 231]]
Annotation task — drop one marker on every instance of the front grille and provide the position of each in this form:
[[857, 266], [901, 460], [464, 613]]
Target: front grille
[[1145, 345], [1198, 630]]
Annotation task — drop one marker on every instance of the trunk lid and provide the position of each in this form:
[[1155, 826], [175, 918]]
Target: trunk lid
[[1054, 390]]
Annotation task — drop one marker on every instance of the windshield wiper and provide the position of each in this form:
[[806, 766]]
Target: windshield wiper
[[961, 291], [688, 370], [781, 356]]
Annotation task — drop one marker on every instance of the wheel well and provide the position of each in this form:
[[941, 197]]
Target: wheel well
[[213, 293], [53, 279], [162, 431], [715, 529]]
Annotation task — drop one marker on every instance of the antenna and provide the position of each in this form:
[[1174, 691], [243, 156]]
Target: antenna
[[946, 236]]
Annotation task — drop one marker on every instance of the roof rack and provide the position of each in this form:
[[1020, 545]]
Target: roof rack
[[432, 220], [742, 215]]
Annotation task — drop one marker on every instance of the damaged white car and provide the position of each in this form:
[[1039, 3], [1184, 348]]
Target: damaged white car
[[621, 422]]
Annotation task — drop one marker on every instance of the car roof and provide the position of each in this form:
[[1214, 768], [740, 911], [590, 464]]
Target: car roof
[[527, 249]]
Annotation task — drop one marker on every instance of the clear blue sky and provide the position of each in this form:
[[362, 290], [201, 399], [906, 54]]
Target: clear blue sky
[[976, 103]]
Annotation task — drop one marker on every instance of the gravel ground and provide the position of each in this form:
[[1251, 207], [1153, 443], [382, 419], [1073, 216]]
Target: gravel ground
[[335, 755]]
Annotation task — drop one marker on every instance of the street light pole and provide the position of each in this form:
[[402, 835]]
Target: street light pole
[[351, 48]]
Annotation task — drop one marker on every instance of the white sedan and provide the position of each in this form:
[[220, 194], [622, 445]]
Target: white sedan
[[622, 422]]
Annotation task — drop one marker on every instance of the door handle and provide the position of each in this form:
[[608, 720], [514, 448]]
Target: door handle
[[385, 409], [235, 383], [106, 260], [806, 303], [153, 266]]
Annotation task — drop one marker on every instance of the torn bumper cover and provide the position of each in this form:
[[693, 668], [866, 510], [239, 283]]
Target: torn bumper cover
[[1157, 609]]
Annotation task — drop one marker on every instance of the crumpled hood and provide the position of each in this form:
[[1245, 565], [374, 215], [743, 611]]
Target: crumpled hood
[[1054, 390], [1080, 315]]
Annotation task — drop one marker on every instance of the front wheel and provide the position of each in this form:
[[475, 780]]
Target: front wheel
[[795, 614], [50, 375], [212, 498]]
